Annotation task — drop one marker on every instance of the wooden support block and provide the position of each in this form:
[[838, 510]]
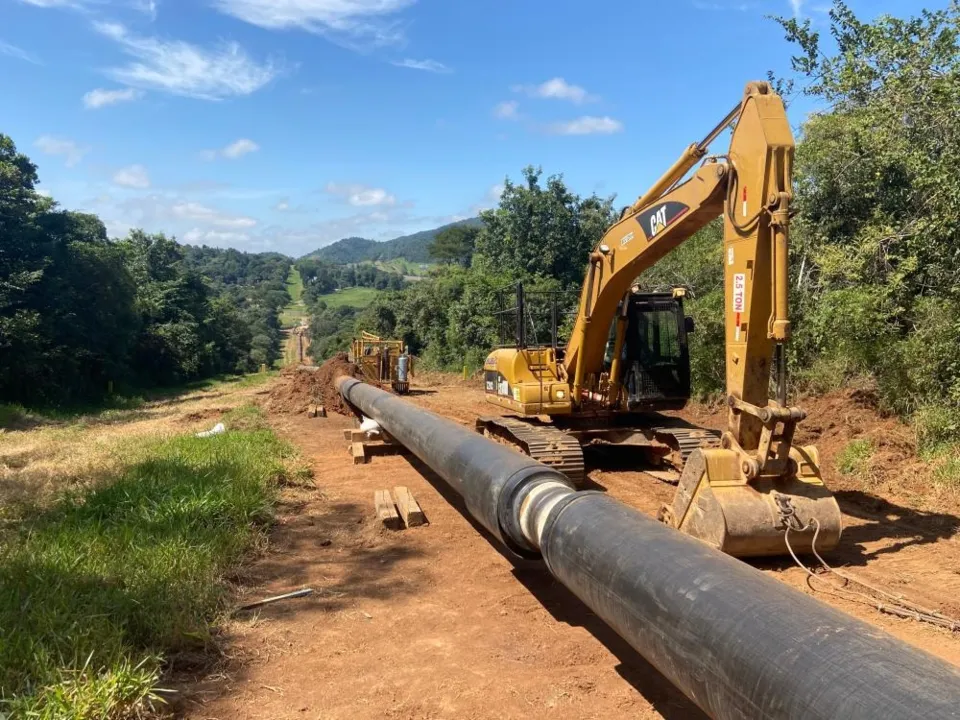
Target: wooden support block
[[386, 512], [355, 435], [409, 508], [359, 452]]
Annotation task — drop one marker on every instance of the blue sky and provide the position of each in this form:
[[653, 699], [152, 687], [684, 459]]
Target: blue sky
[[287, 124]]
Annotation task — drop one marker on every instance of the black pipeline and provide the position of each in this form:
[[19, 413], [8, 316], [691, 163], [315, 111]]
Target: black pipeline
[[736, 642]]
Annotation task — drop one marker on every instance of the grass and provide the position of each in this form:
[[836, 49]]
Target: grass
[[291, 315], [358, 297], [937, 428], [17, 417], [946, 472], [402, 266], [101, 590], [855, 457], [294, 285]]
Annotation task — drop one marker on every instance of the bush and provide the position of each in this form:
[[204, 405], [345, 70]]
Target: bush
[[707, 351]]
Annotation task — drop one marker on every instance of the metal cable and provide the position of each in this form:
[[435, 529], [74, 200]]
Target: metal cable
[[898, 606]]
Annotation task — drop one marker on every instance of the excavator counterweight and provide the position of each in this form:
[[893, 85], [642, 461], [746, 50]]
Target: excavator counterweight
[[748, 491]]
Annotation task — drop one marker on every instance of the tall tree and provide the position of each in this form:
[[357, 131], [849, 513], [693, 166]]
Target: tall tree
[[545, 231], [455, 245]]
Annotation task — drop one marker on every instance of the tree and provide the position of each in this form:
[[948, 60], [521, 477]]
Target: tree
[[455, 245], [876, 242], [546, 231]]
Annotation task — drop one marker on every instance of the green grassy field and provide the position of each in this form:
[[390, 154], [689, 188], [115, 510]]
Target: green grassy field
[[101, 590], [402, 266], [356, 297], [292, 313]]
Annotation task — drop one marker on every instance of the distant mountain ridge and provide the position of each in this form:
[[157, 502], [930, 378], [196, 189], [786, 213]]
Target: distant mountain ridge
[[410, 247]]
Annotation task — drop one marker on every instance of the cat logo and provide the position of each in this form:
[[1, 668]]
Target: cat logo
[[657, 219]]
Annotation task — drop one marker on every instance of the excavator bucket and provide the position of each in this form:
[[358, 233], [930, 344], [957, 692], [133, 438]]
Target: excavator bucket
[[763, 516]]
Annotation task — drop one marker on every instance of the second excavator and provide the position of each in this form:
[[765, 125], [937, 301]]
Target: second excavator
[[749, 490]]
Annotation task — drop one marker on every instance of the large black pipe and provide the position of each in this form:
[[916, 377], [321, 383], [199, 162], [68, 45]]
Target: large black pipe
[[738, 643]]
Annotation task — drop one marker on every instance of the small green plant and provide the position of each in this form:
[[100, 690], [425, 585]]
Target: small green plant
[[855, 457], [946, 473], [12, 416]]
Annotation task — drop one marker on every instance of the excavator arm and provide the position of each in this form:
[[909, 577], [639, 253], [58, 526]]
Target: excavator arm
[[750, 187]]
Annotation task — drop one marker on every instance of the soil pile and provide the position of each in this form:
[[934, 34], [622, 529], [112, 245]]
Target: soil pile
[[835, 420], [302, 388]]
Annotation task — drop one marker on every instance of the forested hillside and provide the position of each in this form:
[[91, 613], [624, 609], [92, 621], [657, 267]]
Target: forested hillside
[[82, 315], [414, 248]]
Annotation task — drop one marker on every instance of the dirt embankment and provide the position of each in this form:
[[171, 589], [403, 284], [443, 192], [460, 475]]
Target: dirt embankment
[[301, 388], [892, 471]]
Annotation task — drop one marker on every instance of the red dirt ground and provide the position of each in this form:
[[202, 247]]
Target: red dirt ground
[[437, 622]]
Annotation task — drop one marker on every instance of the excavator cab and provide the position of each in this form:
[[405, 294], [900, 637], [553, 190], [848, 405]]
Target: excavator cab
[[655, 356]]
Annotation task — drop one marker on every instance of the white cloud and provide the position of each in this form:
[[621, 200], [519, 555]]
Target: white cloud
[[426, 65], [18, 53], [147, 7], [507, 110], [797, 7], [240, 148], [101, 98], [42, 192], [557, 89], [53, 3], [179, 68], [586, 125], [282, 206], [236, 149], [494, 193], [51, 145], [196, 212], [361, 195], [354, 22], [133, 176]]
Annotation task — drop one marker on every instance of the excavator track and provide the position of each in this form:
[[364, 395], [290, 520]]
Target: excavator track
[[684, 440], [544, 444]]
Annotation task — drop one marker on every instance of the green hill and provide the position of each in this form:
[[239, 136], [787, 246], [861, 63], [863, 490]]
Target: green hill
[[409, 247]]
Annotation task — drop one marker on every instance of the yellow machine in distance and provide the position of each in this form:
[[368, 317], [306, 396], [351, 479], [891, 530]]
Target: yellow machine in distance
[[748, 491], [383, 361]]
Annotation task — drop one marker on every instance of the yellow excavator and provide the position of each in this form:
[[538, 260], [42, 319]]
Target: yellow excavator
[[748, 491]]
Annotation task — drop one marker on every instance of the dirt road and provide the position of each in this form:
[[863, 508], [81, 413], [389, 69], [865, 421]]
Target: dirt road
[[436, 622]]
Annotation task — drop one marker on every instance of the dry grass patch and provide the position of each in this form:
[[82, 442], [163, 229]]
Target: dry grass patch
[[43, 456]]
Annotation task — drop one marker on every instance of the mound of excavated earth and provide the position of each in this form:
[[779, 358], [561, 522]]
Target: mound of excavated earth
[[302, 388]]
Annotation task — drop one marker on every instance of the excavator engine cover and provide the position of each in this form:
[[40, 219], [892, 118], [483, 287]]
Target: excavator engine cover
[[750, 518]]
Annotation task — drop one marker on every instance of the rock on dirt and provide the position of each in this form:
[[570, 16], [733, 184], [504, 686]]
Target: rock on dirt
[[302, 388]]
